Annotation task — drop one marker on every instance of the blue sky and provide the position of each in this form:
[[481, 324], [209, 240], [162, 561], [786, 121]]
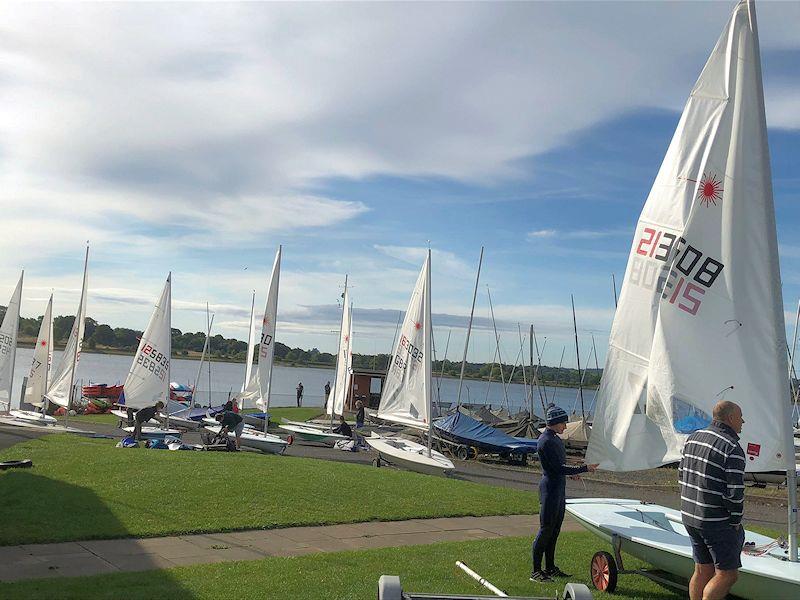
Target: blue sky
[[196, 138]]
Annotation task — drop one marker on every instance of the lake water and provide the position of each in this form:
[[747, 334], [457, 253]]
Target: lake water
[[227, 377]]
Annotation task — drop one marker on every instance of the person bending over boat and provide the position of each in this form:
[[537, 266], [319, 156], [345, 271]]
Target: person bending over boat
[[231, 421], [552, 494], [142, 416], [711, 475]]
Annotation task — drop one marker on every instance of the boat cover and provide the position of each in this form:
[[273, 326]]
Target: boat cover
[[466, 430]]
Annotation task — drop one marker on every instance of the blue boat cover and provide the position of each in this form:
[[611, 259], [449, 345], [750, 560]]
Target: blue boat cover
[[691, 423], [466, 430]]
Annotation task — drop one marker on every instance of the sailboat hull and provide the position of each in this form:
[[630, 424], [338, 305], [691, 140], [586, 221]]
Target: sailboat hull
[[265, 442], [655, 535], [33, 417], [180, 421], [312, 434], [154, 433], [410, 455]]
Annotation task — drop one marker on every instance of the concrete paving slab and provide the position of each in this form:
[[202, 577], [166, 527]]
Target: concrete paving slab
[[128, 547], [138, 562], [53, 549], [303, 534]]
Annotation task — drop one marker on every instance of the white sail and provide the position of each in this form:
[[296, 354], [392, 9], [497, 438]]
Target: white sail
[[258, 387], [406, 396], [148, 379], [39, 374], [60, 389], [251, 343], [8, 345], [344, 361], [700, 315]]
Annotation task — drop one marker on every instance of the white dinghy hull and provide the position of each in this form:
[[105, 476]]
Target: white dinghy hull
[[655, 535], [154, 433], [36, 418], [410, 455], [252, 438], [313, 434]]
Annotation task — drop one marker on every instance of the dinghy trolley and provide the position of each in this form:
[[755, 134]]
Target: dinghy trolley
[[389, 588], [605, 569]]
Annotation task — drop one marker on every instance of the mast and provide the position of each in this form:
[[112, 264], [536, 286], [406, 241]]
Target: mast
[[169, 348], [338, 351], [273, 342], [469, 329], [539, 383], [578, 355], [209, 356], [530, 391], [497, 339], [80, 315], [428, 326], [614, 287], [50, 358], [202, 358]]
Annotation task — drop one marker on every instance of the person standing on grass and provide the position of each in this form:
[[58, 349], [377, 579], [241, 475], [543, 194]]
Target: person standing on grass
[[359, 414], [143, 416], [327, 391], [552, 494], [711, 475], [300, 394], [231, 421]]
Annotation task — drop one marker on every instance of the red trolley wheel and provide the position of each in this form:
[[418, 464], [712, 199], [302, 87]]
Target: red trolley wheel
[[603, 571]]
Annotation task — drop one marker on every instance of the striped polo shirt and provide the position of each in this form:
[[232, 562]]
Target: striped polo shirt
[[711, 475]]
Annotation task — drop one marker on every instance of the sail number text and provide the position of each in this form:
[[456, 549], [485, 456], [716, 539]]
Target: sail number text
[[5, 343], [263, 347], [154, 361], [666, 263], [407, 352]]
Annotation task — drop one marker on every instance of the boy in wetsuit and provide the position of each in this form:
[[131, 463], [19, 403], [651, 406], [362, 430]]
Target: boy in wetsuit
[[552, 493]]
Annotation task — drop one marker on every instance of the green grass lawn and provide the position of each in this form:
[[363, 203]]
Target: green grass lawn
[[294, 413], [105, 418], [82, 488], [353, 575]]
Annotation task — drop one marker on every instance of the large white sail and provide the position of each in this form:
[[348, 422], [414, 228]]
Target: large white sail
[[148, 379], [251, 344], [258, 387], [700, 316], [406, 396], [39, 374], [344, 362], [8, 345], [64, 375]]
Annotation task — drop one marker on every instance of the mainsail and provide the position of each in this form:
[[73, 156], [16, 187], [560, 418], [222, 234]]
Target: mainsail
[[251, 345], [39, 375], [148, 379], [700, 315], [406, 394], [60, 389], [260, 382], [8, 344], [344, 361]]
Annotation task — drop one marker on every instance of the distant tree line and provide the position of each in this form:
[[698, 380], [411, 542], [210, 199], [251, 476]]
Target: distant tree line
[[102, 337]]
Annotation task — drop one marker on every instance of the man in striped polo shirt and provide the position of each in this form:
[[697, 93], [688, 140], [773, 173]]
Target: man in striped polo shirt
[[712, 502]]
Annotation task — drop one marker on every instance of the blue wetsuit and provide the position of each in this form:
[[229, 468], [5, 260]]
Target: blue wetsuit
[[552, 496]]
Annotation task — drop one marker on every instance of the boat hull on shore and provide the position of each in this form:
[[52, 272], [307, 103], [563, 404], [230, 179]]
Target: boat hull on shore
[[251, 438], [154, 433], [655, 535], [313, 434], [410, 455], [36, 418]]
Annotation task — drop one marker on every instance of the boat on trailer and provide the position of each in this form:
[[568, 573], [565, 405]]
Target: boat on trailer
[[253, 438], [401, 452], [314, 434], [700, 319], [34, 417], [656, 535]]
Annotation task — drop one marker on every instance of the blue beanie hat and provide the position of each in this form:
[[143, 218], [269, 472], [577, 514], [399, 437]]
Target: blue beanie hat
[[556, 414]]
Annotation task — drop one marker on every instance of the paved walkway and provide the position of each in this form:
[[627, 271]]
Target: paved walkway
[[70, 559]]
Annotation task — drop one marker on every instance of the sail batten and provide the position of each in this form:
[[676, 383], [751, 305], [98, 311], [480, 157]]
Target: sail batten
[[700, 315]]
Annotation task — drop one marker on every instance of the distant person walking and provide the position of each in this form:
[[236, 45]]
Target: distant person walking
[[300, 394], [359, 414], [711, 475], [552, 493], [327, 391]]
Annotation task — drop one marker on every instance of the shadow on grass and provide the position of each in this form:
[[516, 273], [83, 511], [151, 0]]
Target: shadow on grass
[[32, 503]]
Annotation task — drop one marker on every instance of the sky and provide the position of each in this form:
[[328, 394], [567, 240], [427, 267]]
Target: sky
[[196, 138]]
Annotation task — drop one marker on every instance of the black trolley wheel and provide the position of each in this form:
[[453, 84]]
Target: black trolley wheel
[[376, 462], [603, 572], [462, 453]]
